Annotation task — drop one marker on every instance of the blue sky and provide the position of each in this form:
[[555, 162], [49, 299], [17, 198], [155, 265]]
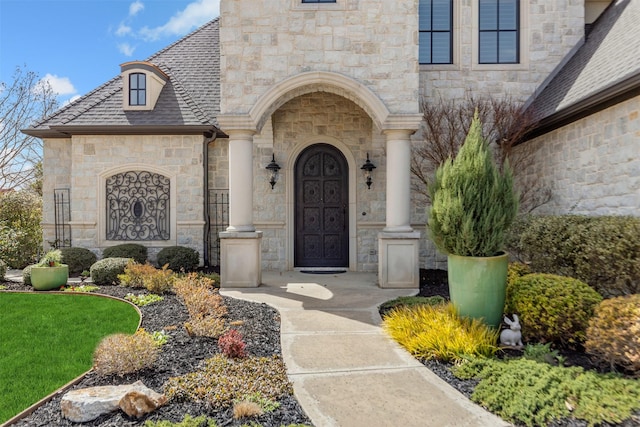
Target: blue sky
[[77, 45]]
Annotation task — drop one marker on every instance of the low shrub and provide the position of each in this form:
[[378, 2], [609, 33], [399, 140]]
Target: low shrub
[[552, 308], [106, 271], [122, 354], [535, 394], [410, 301], [204, 304], [160, 281], [515, 271], [127, 250], [222, 380], [187, 421], [78, 259], [246, 409], [26, 274], [179, 258], [134, 274], [141, 299], [602, 251], [3, 269], [232, 345], [613, 335], [436, 332]]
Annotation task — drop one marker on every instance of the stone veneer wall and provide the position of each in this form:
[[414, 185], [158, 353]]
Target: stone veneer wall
[[264, 42], [551, 29], [78, 163], [593, 164]]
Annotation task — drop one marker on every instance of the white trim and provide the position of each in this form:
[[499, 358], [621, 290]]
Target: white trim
[[102, 220], [290, 196]]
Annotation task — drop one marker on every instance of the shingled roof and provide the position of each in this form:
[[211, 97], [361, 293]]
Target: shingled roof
[[188, 103], [603, 71]]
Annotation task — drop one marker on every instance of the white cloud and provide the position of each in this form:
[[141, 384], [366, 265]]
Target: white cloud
[[126, 49], [135, 7], [194, 15], [59, 85], [70, 100], [123, 30]]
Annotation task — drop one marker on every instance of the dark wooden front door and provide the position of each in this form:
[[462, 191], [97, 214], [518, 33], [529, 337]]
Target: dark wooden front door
[[321, 208]]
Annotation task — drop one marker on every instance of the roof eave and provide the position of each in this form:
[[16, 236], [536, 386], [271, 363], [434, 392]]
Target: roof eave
[[65, 131], [607, 97]]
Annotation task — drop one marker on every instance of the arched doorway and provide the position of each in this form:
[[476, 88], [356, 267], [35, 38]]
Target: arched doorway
[[321, 177]]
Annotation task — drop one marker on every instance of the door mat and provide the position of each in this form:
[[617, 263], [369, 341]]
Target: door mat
[[323, 271]]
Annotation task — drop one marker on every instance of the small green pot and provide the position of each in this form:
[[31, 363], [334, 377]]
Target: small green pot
[[47, 278], [477, 286]]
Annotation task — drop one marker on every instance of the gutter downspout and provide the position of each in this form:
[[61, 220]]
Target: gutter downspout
[[207, 218]]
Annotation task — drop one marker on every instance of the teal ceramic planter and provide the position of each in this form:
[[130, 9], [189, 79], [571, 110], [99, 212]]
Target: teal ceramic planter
[[477, 286], [48, 278]]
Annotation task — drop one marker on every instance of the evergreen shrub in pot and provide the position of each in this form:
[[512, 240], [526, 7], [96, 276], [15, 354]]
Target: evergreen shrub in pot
[[49, 273], [473, 203]]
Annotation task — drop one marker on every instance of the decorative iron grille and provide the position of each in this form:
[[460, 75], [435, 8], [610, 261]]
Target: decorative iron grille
[[138, 206], [218, 221], [62, 216]]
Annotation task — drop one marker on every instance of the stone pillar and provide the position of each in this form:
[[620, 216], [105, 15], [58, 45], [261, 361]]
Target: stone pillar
[[398, 244], [398, 181], [240, 245], [240, 181]]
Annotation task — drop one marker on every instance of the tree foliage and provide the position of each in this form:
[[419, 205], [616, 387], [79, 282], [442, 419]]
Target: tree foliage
[[20, 231], [505, 123], [473, 203], [25, 100]]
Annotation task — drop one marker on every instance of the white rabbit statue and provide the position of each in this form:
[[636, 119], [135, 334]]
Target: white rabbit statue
[[511, 337]]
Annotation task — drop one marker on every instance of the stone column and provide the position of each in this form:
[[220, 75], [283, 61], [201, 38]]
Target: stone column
[[240, 245], [398, 244], [398, 181], [240, 180]]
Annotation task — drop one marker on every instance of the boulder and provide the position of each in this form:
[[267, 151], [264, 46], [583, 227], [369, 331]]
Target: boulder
[[89, 403], [137, 404]]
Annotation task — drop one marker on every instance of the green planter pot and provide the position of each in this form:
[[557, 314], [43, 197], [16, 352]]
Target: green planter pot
[[477, 286], [47, 278]]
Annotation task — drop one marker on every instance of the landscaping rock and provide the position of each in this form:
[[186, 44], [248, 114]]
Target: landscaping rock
[[88, 404], [137, 404]]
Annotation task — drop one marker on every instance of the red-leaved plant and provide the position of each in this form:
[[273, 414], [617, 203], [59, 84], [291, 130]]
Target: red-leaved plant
[[232, 345]]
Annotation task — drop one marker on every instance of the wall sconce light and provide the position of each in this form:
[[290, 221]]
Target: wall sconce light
[[367, 168], [273, 167]]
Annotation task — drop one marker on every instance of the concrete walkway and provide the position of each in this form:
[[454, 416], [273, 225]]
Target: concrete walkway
[[345, 371]]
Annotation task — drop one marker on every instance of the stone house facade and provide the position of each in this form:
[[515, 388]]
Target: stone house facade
[[320, 88]]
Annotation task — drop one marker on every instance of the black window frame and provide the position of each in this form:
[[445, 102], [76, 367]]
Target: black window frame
[[498, 31], [137, 92], [432, 31], [319, 1]]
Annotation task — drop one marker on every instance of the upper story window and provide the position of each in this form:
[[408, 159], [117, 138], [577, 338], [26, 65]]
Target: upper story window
[[436, 31], [137, 89], [142, 83], [499, 27]]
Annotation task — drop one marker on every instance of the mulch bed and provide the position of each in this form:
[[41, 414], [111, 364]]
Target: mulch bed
[[180, 355]]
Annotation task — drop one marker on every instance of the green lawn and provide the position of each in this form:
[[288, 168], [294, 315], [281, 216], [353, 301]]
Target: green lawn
[[46, 340]]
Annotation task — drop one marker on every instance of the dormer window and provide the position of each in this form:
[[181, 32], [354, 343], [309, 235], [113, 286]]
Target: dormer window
[[137, 89], [142, 83]]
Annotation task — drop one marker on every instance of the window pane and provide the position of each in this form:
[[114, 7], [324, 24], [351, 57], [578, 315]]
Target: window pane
[[488, 11], [424, 56], [508, 15], [141, 97], [133, 81], [442, 15], [142, 81], [133, 97], [488, 48], [508, 47], [424, 15], [441, 48]]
